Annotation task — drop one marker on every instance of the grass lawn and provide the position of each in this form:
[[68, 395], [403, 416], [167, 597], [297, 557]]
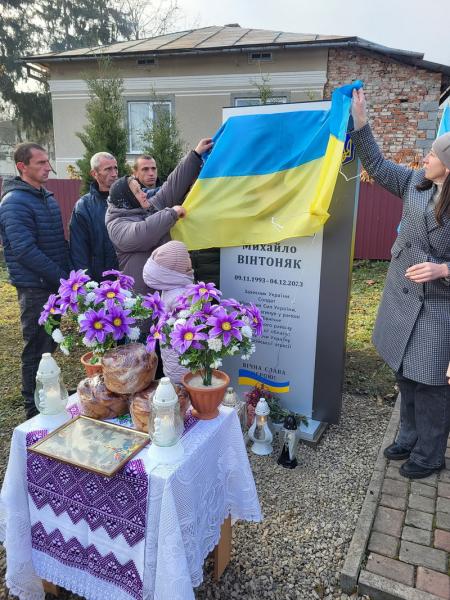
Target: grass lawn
[[365, 371]]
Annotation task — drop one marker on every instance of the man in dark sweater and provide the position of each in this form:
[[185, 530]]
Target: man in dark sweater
[[35, 251], [90, 246]]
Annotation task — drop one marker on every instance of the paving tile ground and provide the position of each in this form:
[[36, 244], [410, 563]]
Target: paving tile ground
[[407, 553]]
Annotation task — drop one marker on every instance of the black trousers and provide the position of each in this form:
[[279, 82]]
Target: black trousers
[[424, 421], [36, 341]]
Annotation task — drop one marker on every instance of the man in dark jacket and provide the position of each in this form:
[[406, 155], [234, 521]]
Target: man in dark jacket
[[145, 170], [36, 253], [90, 246]]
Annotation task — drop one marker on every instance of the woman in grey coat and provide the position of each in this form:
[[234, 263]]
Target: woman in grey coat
[[137, 225], [412, 330]]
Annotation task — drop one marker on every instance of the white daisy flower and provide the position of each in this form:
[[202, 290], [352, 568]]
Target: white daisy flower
[[88, 343], [215, 344], [90, 298], [134, 333], [247, 331], [129, 302], [57, 336]]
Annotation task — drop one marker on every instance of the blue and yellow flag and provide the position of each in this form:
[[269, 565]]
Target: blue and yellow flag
[[444, 125], [269, 177]]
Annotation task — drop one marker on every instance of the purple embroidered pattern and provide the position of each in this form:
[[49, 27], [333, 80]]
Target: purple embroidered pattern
[[34, 436], [73, 410], [73, 554], [116, 503]]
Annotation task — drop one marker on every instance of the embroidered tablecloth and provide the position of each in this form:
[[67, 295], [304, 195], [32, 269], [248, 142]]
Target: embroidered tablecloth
[[137, 535]]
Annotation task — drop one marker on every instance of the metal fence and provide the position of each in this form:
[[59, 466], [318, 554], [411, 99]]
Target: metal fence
[[378, 217], [379, 214]]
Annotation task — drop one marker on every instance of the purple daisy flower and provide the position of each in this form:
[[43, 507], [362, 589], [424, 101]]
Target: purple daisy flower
[[125, 281], [187, 335], [72, 287], [182, 303], [96, 325], [203, 291], [50, 308], [109, 292], [226, 325], [154, 303], [231, 303], [65, 304], [257, 322], [206, 311], [120, 321], [155, 335]]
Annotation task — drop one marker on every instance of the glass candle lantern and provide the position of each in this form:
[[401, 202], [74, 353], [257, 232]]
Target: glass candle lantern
[[259, 432], [50, 394], [165, 425], [287, 457], [232, 400], [229, 398]]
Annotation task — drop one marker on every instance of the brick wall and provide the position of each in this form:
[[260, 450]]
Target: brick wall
[[402, 100]]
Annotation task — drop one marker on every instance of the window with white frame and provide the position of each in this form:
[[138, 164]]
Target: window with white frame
[[140, 116], [254, 101]]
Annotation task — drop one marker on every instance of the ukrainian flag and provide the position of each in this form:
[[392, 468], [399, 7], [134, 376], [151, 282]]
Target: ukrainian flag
[[444, 126], [269, 177], [247, 377]]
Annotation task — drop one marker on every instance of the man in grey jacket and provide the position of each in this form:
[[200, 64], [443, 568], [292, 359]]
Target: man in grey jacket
[[137, 225]]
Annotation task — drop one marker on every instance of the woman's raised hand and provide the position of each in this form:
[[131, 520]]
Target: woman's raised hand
[[359, 108]]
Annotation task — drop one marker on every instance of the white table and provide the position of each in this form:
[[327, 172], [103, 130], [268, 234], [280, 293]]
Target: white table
[[184, 508]]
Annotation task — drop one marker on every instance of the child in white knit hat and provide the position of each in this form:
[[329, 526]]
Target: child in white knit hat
[[169, 270]]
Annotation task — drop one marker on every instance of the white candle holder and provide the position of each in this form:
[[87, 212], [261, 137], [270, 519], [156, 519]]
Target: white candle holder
[[165, 425], [50, 393], [259, 432]]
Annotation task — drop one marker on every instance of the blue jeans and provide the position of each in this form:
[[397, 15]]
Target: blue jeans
[[424, 421]]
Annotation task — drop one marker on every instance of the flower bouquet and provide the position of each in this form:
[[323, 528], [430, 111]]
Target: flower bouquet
[[202, 329], [97, 315], [277, 412]]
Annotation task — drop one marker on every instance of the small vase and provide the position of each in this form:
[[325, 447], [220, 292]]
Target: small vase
[[206, 399], [91, 369]]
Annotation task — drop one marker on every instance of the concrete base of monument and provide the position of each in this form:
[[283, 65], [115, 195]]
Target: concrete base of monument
[[311, 433]]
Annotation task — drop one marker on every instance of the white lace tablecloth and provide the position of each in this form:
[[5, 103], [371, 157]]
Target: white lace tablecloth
[[154, 552]]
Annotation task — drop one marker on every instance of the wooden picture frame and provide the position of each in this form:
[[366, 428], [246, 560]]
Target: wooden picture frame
[[93, 445]]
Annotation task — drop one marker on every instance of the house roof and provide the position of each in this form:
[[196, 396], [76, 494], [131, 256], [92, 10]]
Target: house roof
[[233, 38]]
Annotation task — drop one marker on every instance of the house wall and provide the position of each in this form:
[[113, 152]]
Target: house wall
[[402, 100], [199, 87]]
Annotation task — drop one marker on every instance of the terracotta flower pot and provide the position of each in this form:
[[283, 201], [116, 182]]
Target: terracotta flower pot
[[206, 399], [91, 370]]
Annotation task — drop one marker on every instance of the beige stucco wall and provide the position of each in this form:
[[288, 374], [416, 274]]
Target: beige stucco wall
[[198, 86]]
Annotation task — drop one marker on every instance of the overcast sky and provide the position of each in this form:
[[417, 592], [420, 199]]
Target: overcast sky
[[419, 25]]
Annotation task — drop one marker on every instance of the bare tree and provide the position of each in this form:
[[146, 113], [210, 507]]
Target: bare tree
[[149, 18]]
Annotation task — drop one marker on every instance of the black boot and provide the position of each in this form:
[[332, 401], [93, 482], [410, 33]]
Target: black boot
[[396, 452], [412, 470]]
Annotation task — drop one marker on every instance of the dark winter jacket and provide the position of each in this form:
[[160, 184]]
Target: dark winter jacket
[[32, 232], [90, 246], [206, 265], [136, 232]]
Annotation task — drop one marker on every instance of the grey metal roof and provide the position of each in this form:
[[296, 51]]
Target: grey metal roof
[[206, 38]]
